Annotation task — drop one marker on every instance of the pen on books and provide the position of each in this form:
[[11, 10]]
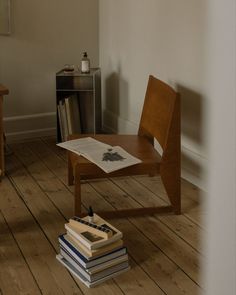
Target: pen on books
[[90, 214]]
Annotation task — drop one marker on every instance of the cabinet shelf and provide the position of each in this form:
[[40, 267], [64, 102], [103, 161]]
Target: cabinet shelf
[[77, 90], [85, 91]]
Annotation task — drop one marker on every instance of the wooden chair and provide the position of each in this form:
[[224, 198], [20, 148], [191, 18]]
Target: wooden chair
[[160, 120]]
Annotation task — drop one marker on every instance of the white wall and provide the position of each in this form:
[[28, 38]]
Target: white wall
[[164, 38], [220, 239], [46, 34]]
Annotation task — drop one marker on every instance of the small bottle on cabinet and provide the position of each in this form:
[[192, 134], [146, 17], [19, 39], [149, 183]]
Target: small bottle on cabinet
[[85, 64]]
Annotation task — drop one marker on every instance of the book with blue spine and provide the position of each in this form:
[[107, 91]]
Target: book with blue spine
[[83, 260], [79, 275], [97, 270], [96, 276]]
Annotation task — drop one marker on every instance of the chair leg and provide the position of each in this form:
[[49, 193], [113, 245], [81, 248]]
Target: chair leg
[[77, 194], [70, 171], [171, 179]]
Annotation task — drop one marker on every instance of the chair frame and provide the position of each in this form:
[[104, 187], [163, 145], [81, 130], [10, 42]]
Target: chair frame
[[168, 165]]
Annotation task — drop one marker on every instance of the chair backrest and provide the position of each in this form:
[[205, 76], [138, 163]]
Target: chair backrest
[[160, 117]]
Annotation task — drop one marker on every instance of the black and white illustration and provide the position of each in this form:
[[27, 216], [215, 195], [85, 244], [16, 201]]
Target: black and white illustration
[[112, 156]]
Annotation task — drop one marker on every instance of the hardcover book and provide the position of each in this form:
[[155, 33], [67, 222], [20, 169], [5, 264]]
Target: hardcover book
[[96, 268], [91, 254], [89, 239], [73, 114], [68, 247], [84, 280], [63, 118]]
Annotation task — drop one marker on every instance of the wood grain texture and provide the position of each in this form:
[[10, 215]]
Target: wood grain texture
[[192, 199], [34, 246], [40, 174], [15, 275], [164, 250], [184, 228], [181, 224], [163, 235]]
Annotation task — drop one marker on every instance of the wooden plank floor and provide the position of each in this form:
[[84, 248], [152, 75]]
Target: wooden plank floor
[[35, 202]]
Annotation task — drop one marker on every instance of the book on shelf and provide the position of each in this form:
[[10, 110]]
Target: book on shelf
[[83, 260], [73, 114], [60, 123], [92, 254], [108, 158], [89, 239], [64, 125], [92, 282], [68, 115]]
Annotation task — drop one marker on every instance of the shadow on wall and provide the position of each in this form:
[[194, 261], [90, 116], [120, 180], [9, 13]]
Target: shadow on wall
[[191, 164], [191, 114], [115, 103], [191, 127]]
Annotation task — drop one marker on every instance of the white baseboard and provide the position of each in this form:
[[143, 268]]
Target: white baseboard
[[193, 164], [194, 167], [20, 128]]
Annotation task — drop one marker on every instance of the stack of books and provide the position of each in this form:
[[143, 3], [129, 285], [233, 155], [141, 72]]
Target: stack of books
[[93, 251]]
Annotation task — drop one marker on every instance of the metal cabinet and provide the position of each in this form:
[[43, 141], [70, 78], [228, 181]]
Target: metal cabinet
[[87, 89]]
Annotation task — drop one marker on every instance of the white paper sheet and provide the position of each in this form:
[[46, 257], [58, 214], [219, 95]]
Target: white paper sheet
[[108, 158]]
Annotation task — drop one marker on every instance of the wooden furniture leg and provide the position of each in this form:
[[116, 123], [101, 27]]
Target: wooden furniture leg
[[77, 194], [70, 170], [172, 184], [3, 91], [2, 168], [170, 168]]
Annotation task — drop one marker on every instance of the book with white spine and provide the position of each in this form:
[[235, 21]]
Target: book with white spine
[[91, 240]]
